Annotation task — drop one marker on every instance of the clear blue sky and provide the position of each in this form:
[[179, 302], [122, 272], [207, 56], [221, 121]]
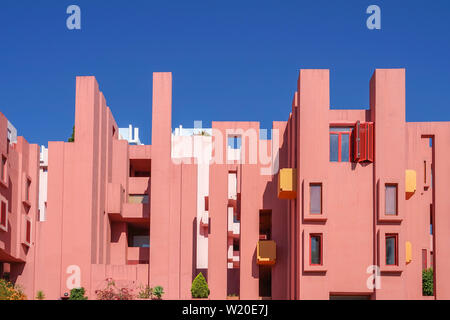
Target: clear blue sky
[[231, 60]]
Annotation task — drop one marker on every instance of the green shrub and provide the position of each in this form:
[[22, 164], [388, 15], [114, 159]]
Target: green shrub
[[199, 287], [77, 294], [427, 282], [158, 292], [40, 295]]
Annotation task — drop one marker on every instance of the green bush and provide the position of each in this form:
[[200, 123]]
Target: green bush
[[40, 295], [77, 294], [199, 287], [427, 282], [158, 292]]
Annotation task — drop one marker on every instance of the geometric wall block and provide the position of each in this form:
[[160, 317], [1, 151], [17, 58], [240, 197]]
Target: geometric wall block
[[287, 183], [410, 181], [408, 255], [266, 252]]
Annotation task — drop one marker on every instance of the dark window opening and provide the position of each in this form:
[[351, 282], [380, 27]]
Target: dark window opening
[[316, 249], [265, 281], [236, 245], [391, 249], [265, 224], [138, 236], [140, 167]]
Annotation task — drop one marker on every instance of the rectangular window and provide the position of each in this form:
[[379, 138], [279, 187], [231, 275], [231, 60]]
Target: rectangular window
[[315, 198], [391, 199], [28, 231], [391, 249], [234, 142], [315, 249], [141, 241], [27, 190], [425, 172], [3, 169], [3, 217], [340, 144], [138, 198]]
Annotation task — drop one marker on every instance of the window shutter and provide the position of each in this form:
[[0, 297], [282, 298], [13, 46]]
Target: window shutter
[[356, 142], [363, 142]]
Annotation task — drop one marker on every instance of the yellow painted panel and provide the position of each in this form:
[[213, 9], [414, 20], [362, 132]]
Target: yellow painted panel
[[287, 183], [408, 255], [410, 182]]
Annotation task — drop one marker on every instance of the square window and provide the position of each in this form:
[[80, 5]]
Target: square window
[[315, 196], [391, 249], [315, 249], [391, 199]]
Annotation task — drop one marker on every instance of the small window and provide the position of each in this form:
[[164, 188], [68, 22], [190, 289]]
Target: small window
[[391, 199], [234, 142], [236, 245], [141, 241], [315, 249], [138, 198], [3, 217], [28, 231], [391, 249], [315, 196], [340, 144], [3, 169], [27, 190]]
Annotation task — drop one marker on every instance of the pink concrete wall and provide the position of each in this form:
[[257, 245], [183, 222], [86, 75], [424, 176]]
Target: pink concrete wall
[[89, 217]]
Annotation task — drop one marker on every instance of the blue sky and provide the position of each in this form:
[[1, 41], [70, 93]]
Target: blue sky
[[231, 60]]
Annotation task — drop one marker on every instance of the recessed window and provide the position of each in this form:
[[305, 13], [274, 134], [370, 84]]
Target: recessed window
[[138, 198], [315, 249], [27, 189], [3, 217], [234, 142], [340, 144], [142, 241], [391, 249], [315, 196], [391, 199], [3, 169], [28, 231]]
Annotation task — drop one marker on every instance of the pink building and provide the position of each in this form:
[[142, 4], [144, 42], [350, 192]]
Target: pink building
[[337, 204]]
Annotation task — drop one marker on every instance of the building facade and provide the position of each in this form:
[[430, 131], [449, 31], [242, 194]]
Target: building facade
[[336, 204]]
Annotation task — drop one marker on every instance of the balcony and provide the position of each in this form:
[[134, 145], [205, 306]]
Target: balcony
[[287, 184], [138, 185], [136, 212], [266, 252], [115, 195]]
